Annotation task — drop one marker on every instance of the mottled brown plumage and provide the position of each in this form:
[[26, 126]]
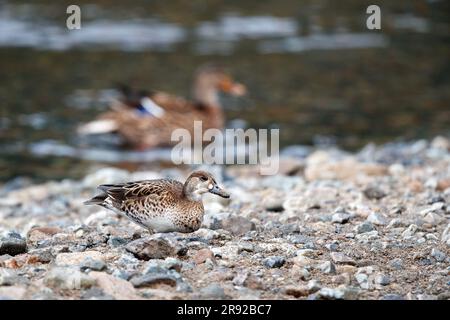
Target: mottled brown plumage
[[162, 205], [144, 130]]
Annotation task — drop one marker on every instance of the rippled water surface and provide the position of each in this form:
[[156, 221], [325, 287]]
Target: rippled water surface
[[312, 69]]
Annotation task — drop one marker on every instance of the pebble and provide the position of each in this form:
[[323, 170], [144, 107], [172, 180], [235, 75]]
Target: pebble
[[238, 225], [332, 246], [446, 235], [296, 291], [340, 217], [362, 279], [151, 248], [13, 244], [366, 226], [95, 293], [341, 292], [115, 287], [430, 236], [245, 247], [396, 263], [433, 218], [327, 267], [438, 255], [313, 285], [8, 277], [38, 234], [382, 279], [392, 296], [213, 291], [68, 278], [92, 264], [173, 264], [203, 255], [149, 280], [340, 258], [274, 262], [410, 231], [377, 219], [77, 258], [116, 242], [12, 293], [374, 193]]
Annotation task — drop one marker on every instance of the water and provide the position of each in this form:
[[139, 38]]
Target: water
[[312, 69]]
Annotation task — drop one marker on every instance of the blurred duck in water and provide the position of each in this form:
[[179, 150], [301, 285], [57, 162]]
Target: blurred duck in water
[[146, 119]]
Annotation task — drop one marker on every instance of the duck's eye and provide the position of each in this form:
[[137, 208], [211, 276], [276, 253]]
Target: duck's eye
[[204, 178]]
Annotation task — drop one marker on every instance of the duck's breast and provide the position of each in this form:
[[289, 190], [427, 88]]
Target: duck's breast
[[161, 224]]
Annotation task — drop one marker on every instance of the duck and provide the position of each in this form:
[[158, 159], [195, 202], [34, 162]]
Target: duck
[[146, 119], [161, 205]]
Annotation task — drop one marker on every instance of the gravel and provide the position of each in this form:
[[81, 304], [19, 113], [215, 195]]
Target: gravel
[[366, 225]]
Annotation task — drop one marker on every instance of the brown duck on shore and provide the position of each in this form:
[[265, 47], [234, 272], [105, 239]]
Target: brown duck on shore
[[161, 205], [147, 119]]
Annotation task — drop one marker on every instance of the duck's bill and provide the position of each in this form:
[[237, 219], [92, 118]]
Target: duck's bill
[[220, 192], [227, 85]]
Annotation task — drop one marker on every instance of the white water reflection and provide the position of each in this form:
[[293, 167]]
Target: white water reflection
[[223, 36], [55, 148], [232, 28], [324, 42], [128, 36]]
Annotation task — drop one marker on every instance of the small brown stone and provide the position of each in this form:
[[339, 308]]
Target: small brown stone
[[151, 248], [254, 283], [443, 185], [76, 258], [415, 186], [115, 287], [296, 291], [48, 231], [17, 261], [202, 255]]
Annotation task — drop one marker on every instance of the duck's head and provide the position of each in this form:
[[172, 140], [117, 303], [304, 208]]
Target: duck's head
[[200, 182], [211, 79]]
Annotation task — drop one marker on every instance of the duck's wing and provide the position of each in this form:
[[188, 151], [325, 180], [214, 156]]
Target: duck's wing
[[139, 200], [172, 103], [138, 190]]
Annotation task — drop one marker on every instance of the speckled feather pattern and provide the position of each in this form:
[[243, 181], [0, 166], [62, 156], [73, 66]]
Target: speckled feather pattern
[[155, 204]]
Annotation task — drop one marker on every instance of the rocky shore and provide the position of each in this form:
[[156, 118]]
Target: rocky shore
[[374, 224]]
